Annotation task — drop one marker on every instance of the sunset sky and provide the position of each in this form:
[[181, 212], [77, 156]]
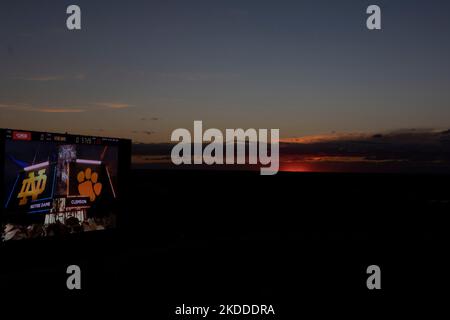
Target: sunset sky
[[140, 69]]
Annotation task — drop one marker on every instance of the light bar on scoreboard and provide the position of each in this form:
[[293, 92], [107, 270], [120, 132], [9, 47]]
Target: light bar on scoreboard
[[95, 162], [37, 166]]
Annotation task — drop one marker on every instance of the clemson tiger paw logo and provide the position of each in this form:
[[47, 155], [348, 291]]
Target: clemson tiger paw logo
[[88, 184]]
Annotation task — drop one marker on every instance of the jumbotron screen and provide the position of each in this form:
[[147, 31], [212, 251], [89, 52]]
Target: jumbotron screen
[[58, 184]]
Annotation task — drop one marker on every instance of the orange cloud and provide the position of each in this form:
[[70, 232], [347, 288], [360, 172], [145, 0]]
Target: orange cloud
[[113, 105], [31, 108], [57, 110], [326, 138]]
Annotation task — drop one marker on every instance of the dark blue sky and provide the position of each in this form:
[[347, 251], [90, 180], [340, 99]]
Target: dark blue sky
[[141, 69]]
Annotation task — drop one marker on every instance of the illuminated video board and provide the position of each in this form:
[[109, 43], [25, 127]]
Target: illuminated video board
[[60, 184]]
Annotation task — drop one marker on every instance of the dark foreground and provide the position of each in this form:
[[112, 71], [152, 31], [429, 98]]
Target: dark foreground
[[296, 241]]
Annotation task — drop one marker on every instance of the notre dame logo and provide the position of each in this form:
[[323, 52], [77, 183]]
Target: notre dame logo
[[32, 187]]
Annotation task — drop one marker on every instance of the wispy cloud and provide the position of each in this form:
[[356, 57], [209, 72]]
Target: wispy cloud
[[5, 106], [42, 78], [113, 105], [422, 135], [146, 132], [48, 78], [16, 106], [41, 109], [58, 110], [326, 138], [198, 76]]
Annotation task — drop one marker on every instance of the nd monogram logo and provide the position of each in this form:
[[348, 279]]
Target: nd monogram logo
[[32, 187]]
